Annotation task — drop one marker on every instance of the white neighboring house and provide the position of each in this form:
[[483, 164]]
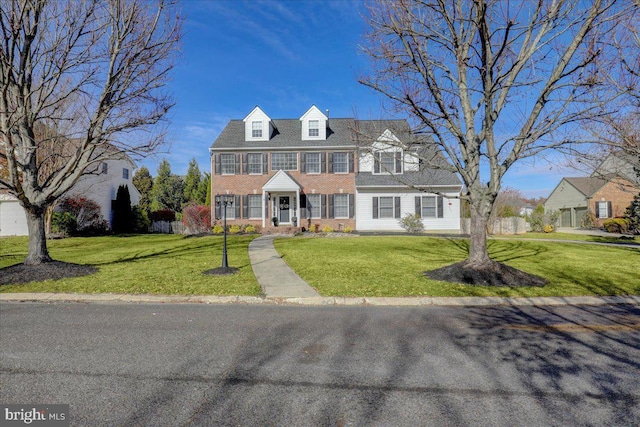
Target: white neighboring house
[[101, 187]]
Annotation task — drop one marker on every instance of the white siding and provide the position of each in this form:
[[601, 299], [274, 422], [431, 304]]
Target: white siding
[[314, 113], [365, 221], [13, 220], [257, 115]]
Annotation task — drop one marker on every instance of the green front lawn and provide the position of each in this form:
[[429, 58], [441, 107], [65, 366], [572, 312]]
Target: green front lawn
[[576, 237], [393, 266], [142, 264]]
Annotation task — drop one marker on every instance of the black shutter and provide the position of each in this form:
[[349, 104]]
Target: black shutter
[[352, 209], [396, 213], [351, 162], [597, 209], [245, 163], [236, 202], [303, 206], [440, 207], [265, 163], [218, 213], [245, 206], [323, 162], [237, 164], [419, 206], [609, 210], [376, 163], [375, 208], [399, 162], [330, 162], [323, 206], [303, 162], [216, 158], [331, 209]]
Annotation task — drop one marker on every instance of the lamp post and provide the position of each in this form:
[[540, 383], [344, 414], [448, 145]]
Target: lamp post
[[222, 201]]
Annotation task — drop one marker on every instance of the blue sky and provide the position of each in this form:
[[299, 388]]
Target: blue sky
[[283, 56]]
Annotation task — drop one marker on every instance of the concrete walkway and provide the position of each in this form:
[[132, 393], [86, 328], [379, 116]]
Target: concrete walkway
[[275, 277]]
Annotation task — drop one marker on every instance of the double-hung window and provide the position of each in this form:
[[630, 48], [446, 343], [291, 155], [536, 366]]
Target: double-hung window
[[255, 206], [228, 164], [385, 207], [254, 163], [314, 205], [388, 162], [256, 129], [341, 205], [314, 128], [125, 173], [284, 161], [429, 207], [603, 209], [340, 162], [312, 163]]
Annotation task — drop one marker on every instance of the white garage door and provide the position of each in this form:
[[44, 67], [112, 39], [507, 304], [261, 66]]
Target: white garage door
[[13, 221]]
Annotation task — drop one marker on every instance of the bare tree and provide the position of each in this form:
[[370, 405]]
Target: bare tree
[[493, 82], [90, 72]]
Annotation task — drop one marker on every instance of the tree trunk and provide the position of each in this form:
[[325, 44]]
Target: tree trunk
[[38, 252], [478, 254]]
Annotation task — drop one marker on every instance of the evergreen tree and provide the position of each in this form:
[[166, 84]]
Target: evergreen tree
[[192, 183], [122, 213], [168, 189], [143, 181], [207, 189]]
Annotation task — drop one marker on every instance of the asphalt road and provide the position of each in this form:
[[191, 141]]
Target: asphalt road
[[238, 365]]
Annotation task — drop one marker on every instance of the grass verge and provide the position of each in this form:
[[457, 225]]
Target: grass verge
[[142, 264], [392, 266], [575, 237]]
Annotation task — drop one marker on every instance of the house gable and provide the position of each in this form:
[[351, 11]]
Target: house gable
[[313, 125], [257, 126]]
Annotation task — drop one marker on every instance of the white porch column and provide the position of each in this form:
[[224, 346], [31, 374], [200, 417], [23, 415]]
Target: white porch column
[[298, 207], [264, 197]]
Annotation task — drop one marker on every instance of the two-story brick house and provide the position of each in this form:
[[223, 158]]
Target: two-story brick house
[[314, 170]]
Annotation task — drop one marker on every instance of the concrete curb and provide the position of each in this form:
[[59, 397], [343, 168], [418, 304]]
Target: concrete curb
[[320, 301]]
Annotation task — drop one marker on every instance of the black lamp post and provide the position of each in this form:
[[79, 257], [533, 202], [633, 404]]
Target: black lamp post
[[222, 201]]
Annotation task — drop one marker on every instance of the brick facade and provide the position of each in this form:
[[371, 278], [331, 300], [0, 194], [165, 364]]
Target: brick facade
[[618, 194]]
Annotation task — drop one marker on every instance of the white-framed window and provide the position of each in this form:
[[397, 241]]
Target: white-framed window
[[314, 128], [341, 205], [228, 164], [256, 129], [255, 206], [254, 163], [603, 209], [340, 162], [284, 161], [388, 162], [125, 173], [312, 163], [385, 207], [429, 207], [314, 205], [231, 211]]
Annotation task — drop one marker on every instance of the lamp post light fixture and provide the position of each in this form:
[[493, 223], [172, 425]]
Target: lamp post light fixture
[[223, 201]]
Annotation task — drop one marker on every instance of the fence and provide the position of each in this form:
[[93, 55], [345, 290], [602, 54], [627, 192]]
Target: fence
[[511, 225], [166, 227]]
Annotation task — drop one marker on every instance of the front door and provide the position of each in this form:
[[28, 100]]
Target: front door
[[284, 203]]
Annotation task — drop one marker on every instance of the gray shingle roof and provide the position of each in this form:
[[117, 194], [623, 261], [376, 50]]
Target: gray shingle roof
[[586, 185], [428, 177], [288, 133]]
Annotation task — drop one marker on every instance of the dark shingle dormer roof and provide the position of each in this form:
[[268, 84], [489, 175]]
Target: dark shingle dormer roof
[[287, 133]]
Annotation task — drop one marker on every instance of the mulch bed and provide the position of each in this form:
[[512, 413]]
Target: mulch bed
[[54, 270], [497, 274]]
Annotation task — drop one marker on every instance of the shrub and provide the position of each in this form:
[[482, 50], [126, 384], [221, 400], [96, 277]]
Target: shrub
[[163, 215], [63, 223], [588, 221], [313, 228], [275, 221], [250, 229], [348, 229], [123, 219], [89, 220], [632, 214], [141, 221], [235, 229], [327, 229], [548, 228], [539, 219], [412, 223], [196, 219], [218, 229], [616, 225]]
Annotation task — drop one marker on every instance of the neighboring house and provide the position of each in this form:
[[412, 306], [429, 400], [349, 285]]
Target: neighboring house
[[574, 197], [315, 170], [619, 165], [101, 187]]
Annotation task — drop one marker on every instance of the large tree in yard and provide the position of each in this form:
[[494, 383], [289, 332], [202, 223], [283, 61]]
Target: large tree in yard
[[93, 73], [493, 82]]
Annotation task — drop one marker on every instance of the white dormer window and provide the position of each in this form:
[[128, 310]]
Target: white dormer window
[[256, 129], [388, 162], [314, 128]]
